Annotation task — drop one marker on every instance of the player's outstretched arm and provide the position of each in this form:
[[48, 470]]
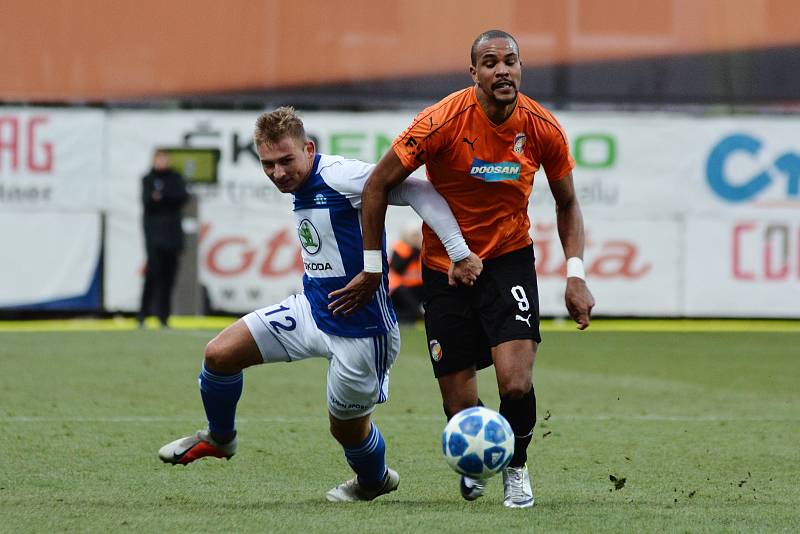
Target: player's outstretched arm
[[434, 210], [578, 298], [387, 174]]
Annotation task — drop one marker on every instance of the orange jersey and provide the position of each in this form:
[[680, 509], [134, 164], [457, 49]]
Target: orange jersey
[[484, 171]]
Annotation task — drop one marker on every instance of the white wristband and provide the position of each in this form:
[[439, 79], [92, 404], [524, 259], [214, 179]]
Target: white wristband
[[373, 261], [575, 268]]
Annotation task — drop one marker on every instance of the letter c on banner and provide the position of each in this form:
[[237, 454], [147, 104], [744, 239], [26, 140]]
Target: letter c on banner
[[715, 169]]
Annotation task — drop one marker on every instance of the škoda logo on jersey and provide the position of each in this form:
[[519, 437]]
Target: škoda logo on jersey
[[494, 172], [309, 237]]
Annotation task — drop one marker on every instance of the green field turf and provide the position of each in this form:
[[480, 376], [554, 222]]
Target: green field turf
[[704, 427]]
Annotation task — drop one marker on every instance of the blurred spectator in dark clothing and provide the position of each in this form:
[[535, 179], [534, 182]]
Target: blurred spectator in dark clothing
[[163, 195], [405, 276]]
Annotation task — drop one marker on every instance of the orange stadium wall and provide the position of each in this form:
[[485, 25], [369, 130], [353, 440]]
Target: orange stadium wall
[[94, 50]]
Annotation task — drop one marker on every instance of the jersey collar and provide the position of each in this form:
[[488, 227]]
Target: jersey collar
[[483, 112], [311, 174]]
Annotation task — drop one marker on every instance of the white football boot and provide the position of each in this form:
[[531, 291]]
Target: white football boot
[[351, 490], [471, 488], [517, 487]]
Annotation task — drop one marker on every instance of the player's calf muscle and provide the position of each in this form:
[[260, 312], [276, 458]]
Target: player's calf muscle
[[350, 433]]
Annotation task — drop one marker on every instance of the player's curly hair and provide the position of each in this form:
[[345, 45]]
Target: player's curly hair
[[485, 36], [273, 126]]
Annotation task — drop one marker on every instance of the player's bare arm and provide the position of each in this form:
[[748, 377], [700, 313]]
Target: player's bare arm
[[388, 173], [578, 298]]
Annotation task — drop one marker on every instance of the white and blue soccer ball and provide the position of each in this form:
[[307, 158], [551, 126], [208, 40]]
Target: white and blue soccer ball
[[478, 442]]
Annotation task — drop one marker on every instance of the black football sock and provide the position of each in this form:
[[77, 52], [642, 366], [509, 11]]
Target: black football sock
[[450, 415], [521, 415]]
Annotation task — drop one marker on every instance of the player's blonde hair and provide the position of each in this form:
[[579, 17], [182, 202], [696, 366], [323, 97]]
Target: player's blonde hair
[[273, 126]]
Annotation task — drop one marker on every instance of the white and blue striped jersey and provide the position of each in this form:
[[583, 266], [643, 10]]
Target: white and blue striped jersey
[[327, 214]]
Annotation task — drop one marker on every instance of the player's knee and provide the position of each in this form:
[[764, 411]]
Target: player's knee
[[515, 389], [219, 358]]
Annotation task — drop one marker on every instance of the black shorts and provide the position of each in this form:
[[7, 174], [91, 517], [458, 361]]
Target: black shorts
[[463, 323]]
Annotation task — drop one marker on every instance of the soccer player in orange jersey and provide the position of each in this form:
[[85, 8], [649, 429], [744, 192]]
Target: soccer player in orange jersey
[[481, 147]]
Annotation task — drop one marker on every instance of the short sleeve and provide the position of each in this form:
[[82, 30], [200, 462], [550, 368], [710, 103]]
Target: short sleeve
[[348, 177], [416, 144], [556, 159]]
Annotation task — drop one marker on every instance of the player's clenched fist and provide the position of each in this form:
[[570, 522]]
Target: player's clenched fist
[[465, 271]]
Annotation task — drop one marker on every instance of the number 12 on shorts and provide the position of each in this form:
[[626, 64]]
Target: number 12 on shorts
[[289, 323]]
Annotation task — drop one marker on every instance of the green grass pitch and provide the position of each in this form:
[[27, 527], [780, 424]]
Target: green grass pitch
[[699, 427]]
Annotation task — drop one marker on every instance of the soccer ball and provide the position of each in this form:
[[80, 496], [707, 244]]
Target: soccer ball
[[478, 442]]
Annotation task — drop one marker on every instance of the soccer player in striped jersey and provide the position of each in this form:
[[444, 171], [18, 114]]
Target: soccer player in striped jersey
[[360, 345]]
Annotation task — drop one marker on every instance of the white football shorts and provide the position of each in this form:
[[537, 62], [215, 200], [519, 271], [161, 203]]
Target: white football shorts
[[358, 369]]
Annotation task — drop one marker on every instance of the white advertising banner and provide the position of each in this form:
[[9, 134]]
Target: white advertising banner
[[629, 270], [649, 185], [249, 262], [624, 163], [748, 165], [123, 269], [644, 164], [696, 172], [48, 257], [743, 267], [51, 159]]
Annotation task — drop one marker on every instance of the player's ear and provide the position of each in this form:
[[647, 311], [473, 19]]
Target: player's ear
[[310, 148], [474, 73]]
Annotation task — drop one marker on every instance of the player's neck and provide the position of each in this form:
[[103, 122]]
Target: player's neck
[[496, 112]]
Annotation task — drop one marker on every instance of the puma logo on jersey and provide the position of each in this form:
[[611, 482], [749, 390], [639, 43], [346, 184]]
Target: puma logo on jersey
[[470, 143], [526, 320]]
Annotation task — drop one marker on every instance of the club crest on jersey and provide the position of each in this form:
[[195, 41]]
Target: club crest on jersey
[[519, 143], [494, 172], [436, 350], [309, 237]]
